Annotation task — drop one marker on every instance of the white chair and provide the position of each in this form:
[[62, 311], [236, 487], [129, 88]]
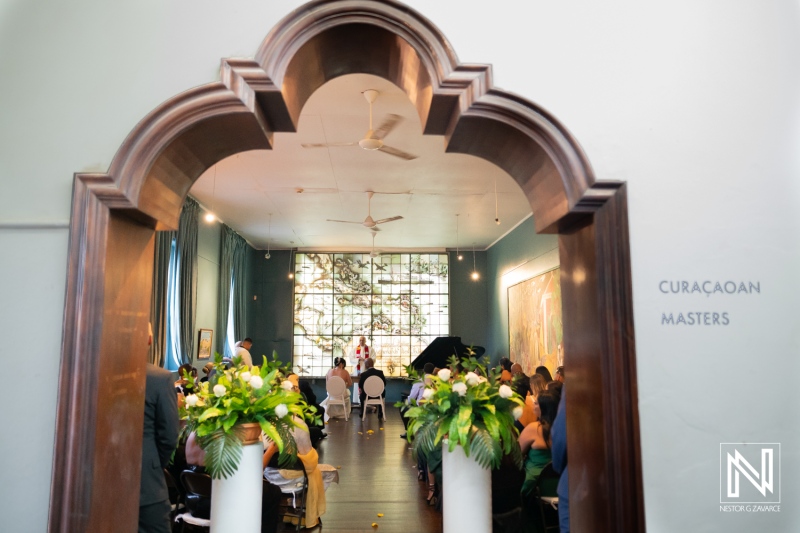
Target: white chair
[[337, 390], [373, 388]]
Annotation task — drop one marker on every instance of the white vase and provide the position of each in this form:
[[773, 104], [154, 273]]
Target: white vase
[[466, 493], [236, 501]]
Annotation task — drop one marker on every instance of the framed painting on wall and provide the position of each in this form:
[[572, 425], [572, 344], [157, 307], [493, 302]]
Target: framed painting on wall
[[534, 322], [204, 344]]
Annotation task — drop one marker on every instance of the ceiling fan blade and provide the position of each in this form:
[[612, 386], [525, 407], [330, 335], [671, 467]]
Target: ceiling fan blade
[[385, 220], [345, 221], [397, 153], [386, 127], [326, 145]]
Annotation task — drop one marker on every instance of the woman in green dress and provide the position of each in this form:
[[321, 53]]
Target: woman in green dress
[[534, 441]]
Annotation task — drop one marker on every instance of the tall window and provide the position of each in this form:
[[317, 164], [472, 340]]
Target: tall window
[[230, 330], [173, 321], [399, 302]]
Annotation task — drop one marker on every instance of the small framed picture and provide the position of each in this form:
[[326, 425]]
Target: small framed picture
[[204, 344]]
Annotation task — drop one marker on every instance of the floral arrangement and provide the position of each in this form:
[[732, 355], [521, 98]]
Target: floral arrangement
[[471, 408], [238, 394]]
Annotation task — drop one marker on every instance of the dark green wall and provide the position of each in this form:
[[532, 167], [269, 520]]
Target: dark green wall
[[469, 309], [520, 255], [269, 321]]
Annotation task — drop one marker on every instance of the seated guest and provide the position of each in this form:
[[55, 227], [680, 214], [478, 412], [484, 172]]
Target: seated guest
[[419, 387], [559, 374], [315, 432], [544, 373], [183, 385], [317, 480], [555, 387], [516, 370], [536, 385], [534, 441], [207, 371], [339, 370], [416, 393], [370, 371], [505, 366]]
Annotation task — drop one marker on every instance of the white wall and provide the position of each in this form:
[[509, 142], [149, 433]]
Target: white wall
[[695, 103]]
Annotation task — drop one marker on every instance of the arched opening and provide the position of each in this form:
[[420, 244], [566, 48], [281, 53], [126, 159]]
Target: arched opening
[[114, 217]]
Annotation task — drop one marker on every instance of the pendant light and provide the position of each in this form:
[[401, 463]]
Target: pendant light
[[269, 237], [210, 217], [458, 254], [496, 213], [475, 275], [291, 263]]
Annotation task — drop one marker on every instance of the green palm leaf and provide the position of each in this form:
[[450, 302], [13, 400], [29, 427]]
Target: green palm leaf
[[425, 439], [223, 453], [485, 449]]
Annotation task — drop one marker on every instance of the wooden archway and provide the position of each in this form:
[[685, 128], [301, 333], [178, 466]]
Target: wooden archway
[[115, 215]]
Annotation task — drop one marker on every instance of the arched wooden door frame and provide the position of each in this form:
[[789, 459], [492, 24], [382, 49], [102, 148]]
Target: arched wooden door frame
[[114, 216]]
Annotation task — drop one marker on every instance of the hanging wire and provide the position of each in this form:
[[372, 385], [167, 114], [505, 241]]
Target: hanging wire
[[269, 238], [496, 212], [475, 274], [458, 254]]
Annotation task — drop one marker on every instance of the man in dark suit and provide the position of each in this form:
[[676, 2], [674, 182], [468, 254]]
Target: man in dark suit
[[159, 440], [369, 364]]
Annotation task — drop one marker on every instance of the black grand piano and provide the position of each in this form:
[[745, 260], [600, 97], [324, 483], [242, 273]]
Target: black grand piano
[[441, 349]]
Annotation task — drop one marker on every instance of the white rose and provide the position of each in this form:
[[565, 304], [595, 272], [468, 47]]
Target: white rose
[[427, 393], [220, 390], [245, 376], [517, 412], [287, 385], [281, 410], [191, 400], [460, 388], [505, 391], [444, 374], [472, 379], [256, 382]]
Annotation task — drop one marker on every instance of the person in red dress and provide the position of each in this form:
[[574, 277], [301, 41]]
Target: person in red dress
[[360, 353]]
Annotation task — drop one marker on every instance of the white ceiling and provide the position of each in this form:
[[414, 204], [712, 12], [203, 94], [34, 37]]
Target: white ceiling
[[428, 192]]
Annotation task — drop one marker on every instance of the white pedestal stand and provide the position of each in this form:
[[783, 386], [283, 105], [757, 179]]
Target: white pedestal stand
[[467, 493], [236, 501]]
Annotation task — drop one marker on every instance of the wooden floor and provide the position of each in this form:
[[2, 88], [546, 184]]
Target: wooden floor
[[377, 475]]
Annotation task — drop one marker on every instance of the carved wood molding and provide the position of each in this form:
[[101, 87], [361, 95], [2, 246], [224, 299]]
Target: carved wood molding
[[165, 153]]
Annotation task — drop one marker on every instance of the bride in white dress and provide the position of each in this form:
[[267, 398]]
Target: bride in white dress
[[337, 410]]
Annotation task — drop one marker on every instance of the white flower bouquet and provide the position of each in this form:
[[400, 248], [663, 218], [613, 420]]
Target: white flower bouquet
[[472, 409], [240, 395]]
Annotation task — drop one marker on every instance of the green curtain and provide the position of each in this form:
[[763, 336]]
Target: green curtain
[[241, 274], [186, 248], [158, 296], [233, 270]]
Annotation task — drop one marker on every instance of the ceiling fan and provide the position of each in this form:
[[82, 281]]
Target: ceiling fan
[[369, 222], [373, 140]]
